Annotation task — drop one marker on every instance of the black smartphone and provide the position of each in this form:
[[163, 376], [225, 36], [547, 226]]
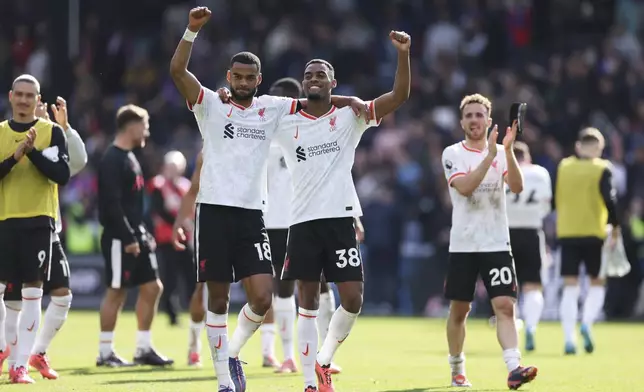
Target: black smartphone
[[517, 113]]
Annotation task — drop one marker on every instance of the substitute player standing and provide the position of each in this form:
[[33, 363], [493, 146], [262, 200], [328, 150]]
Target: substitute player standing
[[127, 246], [476, 170], [57, 283], [585, 201], [36, 164], [319, 146], [526, 211]]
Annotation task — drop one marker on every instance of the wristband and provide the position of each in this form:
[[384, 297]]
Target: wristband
[[190, 35]]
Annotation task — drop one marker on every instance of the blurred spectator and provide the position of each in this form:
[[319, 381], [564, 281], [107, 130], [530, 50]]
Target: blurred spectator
[[563, 58]]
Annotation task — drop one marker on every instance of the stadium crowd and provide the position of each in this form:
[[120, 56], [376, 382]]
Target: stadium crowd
[[508, 50]]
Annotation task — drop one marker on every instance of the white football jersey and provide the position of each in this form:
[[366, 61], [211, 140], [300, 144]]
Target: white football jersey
[[479, 222], [236, 141], [280, 191], [527, 209], [319, 154]]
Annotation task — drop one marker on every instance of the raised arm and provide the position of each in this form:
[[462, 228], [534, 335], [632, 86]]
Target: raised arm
[[392, 100], [75, 144], [186, 82], [187, 207]]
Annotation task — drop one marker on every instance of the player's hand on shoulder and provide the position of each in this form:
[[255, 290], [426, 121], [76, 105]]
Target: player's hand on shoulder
[[361, 108], [491, 142], [60, 112], [401, 40], [198, 17], [224, 94], [133, 249], [178, 237]]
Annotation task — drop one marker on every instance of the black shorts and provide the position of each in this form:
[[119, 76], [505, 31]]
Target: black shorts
[[231, 244], [496, 269], [278, 238], [326, 246], [25, 253], [528, 250], [56, 279], [575, 251], [124, 270]]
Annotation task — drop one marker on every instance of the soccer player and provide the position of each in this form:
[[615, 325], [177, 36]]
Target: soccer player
[[526, 211], [127, 246], [166, 190], [57, 285], [37, 164], [231, 240], [319, 146], [179, 238], [476, 170], [585, 201]]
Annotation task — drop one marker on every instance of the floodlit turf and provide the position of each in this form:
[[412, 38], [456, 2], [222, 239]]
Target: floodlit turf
[[382, 354]]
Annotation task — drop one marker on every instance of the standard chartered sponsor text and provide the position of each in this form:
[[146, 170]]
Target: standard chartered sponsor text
[[321, 149], [251, 133]]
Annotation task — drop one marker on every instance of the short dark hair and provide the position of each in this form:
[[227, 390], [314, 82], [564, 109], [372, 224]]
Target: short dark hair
[[291, 87], [246, 58], [521, 150], [128, 114], [320, 61]]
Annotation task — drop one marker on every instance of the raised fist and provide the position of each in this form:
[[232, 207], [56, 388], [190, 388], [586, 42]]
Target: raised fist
[[198, 17], [401, 40]]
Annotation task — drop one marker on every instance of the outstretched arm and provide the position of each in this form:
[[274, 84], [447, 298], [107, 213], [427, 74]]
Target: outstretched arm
[[186, 82], [392, 100]]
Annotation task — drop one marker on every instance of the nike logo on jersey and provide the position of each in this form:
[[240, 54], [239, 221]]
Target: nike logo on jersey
[[230, 113], [297, 132]]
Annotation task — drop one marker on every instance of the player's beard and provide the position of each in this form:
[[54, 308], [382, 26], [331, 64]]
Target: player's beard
[[242, 96]]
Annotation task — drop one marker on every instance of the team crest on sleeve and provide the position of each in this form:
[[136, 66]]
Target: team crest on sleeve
[[332, 122], [262, 114], [449, 166]]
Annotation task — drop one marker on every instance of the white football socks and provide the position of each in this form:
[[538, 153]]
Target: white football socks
[[512, 358], [284, 311], [11, 329], [54, 319], [3, 316], [217, 329], [307, 340], [568, 310], [106, 344], [247, 323], [593, 304], [532, 309], [327, 308], [341, 324], [267, 335], [457, 364], [29, 323], [194, 338], [143, 341]]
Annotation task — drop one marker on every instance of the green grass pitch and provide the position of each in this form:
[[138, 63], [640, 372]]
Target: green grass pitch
[[381, 354]]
